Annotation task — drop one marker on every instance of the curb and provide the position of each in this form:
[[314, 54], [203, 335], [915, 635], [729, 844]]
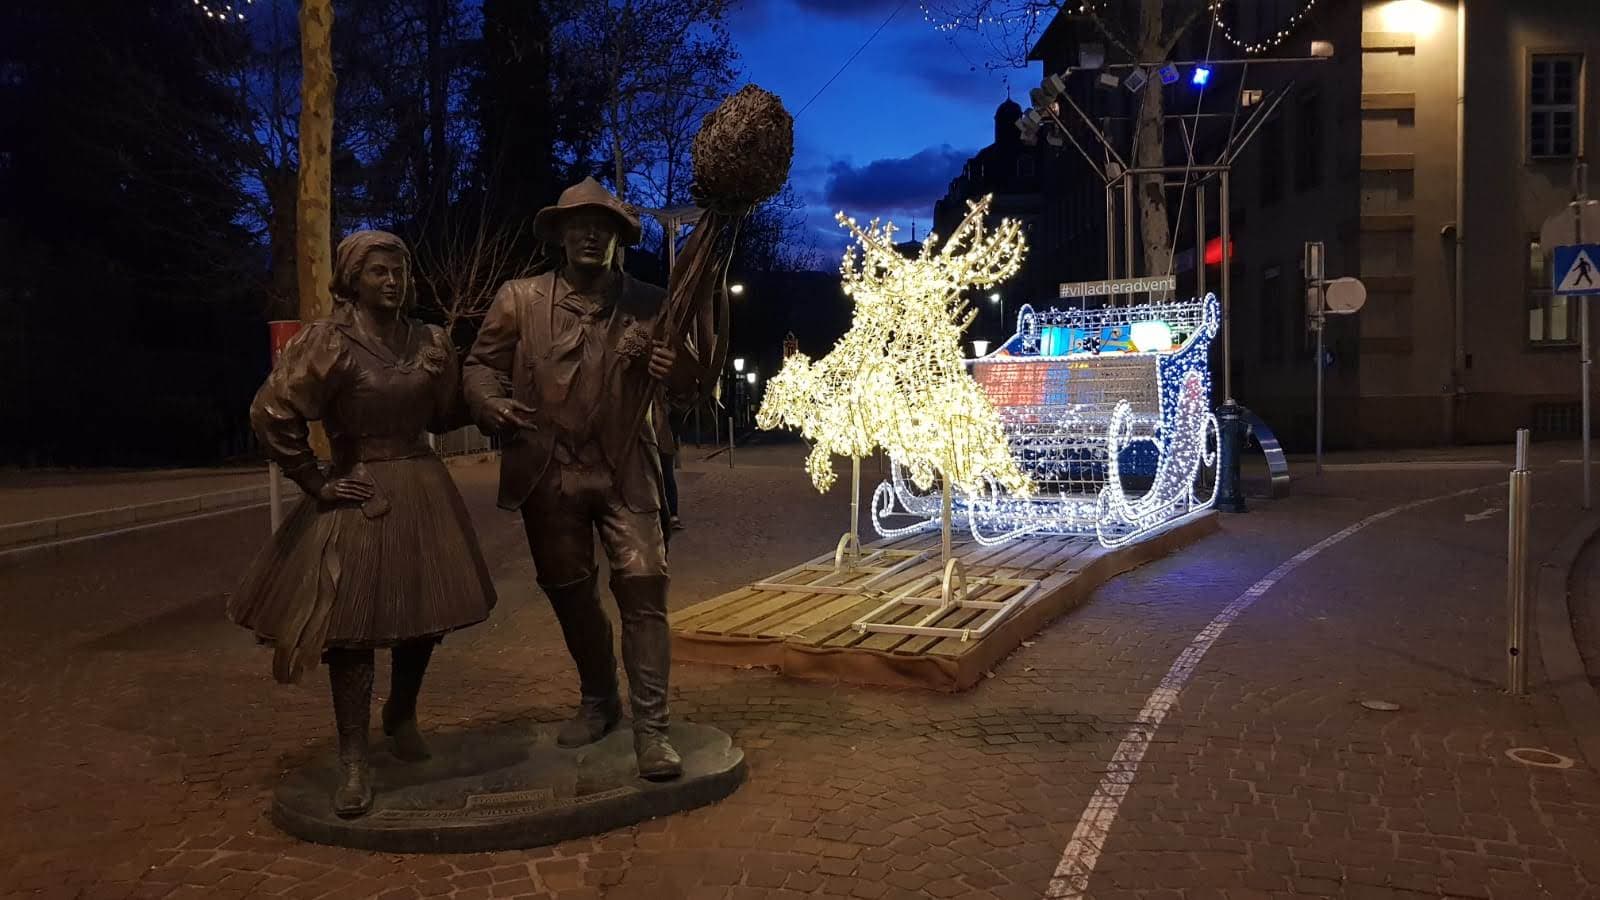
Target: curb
[[1558, 648], [18, 536], [39, 531]]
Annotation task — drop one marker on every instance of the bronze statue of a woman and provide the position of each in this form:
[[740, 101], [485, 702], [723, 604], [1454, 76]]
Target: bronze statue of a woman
[[381, 553]]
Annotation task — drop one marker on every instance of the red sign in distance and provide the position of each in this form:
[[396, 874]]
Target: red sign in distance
[[280, 332]]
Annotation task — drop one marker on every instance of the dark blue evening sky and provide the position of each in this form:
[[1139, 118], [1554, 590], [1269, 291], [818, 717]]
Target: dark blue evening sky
[[888, 135]]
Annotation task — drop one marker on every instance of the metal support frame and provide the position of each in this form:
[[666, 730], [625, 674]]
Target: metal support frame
[[999, 610], [847, 555], [955, 592]]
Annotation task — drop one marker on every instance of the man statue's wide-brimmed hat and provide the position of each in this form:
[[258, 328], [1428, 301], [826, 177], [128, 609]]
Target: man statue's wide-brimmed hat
[[586, 194]]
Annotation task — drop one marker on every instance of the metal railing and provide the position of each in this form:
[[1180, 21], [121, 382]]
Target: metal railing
[[464, 441]]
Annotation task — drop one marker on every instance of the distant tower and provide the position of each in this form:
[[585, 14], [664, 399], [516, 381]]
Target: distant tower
[[1005, 123]]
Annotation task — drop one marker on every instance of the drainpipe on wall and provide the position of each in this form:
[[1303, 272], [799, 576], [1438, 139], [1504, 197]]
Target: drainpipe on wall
[[1458, 359]]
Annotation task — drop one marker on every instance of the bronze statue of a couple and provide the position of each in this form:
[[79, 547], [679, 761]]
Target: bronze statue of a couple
[[382, 553]]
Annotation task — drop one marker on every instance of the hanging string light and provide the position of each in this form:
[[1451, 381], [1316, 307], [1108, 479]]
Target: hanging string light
[[952, 24], [1280, 35], [223, 11]]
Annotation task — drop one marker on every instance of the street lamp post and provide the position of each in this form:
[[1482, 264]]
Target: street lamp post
[[736, 388]]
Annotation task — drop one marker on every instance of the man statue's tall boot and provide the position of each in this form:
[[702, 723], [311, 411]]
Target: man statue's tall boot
[[408, 664], [647, 655], [587, 630], [350, 675]]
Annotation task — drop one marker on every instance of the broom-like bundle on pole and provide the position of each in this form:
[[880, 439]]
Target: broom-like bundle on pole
[[741, 158]]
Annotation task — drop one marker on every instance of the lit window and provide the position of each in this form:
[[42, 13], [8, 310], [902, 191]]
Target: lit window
[[1551, 319], [1553, 95]]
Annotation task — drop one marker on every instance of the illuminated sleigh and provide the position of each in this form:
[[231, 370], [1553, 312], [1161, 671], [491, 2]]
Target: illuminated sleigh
[[1108, 411]]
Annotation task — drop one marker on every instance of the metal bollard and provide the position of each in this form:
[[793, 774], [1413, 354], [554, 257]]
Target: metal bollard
[[730, 442], [1517, 569], [1230, 420]]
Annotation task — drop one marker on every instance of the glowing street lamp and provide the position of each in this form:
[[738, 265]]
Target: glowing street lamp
[[736, 289], [980, 349], [738, 364], [994, 297], [750, 377]]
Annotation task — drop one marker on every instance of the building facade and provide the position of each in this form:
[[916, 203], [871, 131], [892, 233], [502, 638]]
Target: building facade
[[1425, 155], [1012, 172]]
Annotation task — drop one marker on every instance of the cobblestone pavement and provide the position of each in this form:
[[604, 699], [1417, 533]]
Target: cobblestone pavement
[[144, 735]]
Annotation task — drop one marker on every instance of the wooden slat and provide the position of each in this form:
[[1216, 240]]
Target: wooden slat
[[1388, 162], [787, 629], [803, 619], [688, 616], [1388, 100], [1388, 222], [779, 618], [776, 604], [693, 617]]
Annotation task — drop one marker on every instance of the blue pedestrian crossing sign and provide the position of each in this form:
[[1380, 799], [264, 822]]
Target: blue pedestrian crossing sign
[[1575, 270]]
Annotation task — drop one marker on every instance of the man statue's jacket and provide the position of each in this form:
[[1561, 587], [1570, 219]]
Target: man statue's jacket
[[515, 352]]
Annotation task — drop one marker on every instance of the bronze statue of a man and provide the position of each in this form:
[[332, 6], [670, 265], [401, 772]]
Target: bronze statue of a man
[[559, 360]]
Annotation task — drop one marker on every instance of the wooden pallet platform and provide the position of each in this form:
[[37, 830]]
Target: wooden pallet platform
[[799, 621]]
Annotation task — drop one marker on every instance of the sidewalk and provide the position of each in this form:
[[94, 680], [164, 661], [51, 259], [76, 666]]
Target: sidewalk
[[42, 506], [145, 736], [28, 495]]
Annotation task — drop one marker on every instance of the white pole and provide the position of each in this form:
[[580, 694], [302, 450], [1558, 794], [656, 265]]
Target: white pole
[[1580, 193], [855, 508], [944, 522], [1321, 326]]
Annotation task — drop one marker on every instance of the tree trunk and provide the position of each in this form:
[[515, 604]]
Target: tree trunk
[[1154, 229], [314, 230]]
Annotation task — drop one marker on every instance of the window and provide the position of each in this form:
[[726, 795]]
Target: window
[[1308, 141], [1552, 321], [1553, 119], [1271, 161]]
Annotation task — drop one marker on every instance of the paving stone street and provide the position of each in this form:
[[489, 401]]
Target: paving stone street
[[144, 734]]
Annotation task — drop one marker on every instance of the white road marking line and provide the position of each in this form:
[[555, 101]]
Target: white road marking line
[[1082, 853]]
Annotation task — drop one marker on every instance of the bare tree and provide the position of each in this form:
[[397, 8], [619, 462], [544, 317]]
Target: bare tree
[[1140, 31], [465, 259], [773, 238], [660, 65]]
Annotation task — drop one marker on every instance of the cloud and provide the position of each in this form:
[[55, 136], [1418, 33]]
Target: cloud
[[894, 185]]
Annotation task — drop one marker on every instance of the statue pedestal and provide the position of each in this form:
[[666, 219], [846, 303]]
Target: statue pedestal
[[506, 788]]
